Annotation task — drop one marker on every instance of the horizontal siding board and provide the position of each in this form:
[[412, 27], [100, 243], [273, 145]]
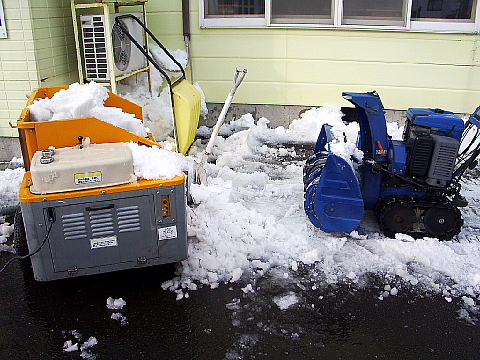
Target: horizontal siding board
[[247, 93], [242, 46], [224, 69], [417, 51], [376, 74]]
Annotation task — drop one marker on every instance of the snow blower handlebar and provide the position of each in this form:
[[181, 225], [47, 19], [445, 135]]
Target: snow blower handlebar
[[145, 51], [469, 145]]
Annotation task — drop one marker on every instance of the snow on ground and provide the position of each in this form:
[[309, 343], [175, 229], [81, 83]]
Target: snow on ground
[[248, 222]]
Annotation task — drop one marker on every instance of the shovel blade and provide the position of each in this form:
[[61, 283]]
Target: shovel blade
[[188, 105]]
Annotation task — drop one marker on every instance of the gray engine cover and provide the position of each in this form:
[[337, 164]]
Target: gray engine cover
[[103, 233], [443, 160]]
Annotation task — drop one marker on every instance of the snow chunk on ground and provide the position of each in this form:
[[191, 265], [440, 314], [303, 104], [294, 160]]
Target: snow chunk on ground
[[115, 303], [92, 341], [284, 301], [119, 317], [68, 346]]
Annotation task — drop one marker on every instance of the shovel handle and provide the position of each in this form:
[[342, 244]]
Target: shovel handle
[[237, 80]]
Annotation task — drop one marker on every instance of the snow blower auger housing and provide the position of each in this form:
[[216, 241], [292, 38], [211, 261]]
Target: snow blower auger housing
[[84, 211], [413, 185]]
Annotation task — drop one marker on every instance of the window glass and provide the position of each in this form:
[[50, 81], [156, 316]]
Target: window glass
[[229, 8], [374, 12], [443, 9], [301, 11]]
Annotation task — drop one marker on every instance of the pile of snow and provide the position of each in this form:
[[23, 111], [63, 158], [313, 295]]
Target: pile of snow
[[6, 230], [83, 101], [165, 62], [248, 221], [10, 180], [155, 163]]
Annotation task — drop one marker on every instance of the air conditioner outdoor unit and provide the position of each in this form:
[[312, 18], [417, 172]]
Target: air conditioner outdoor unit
[[127, 57]]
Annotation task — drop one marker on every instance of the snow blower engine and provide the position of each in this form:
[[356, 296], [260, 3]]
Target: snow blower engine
[[412, 185]]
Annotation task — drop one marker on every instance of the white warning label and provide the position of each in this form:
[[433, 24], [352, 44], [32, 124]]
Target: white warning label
[[169, 232], [103, 242]]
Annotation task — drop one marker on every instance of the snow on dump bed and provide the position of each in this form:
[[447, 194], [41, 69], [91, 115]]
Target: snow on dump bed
[[83, 101]]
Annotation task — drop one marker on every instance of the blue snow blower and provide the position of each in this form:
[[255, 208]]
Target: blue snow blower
[[413, 185]]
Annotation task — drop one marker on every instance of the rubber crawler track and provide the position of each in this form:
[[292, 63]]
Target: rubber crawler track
[[421, 205]]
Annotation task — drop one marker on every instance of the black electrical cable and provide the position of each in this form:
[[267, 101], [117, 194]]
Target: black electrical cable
[[32, 253]]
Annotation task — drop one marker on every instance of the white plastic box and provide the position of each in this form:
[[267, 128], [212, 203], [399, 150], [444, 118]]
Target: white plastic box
[[79, 168]]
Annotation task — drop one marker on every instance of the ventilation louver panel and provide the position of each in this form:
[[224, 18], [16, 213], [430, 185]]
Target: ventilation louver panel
[[74, 226], [127, 58], [128, 219]]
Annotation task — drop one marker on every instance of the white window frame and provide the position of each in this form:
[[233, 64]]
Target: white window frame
[[427, 25], [3, 28]]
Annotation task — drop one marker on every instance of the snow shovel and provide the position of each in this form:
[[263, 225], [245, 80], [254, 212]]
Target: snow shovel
[[200, 172], [185, 98]]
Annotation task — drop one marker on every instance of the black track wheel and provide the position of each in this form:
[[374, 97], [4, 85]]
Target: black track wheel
[[443, 221], [19, 236], [396, 217]]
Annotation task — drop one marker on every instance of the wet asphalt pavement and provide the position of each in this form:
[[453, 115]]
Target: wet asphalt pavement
[[224, 323]]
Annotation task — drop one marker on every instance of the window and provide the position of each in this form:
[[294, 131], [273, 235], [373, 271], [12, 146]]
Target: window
[[233, 13], [450, 10], [228, 8], [417, 15], [379, 12], [302, 12]]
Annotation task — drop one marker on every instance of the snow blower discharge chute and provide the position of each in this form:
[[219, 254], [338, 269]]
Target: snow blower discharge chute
[[413, 185]]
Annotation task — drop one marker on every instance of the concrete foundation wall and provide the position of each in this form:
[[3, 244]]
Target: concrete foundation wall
[[9, 148], [281, 115]]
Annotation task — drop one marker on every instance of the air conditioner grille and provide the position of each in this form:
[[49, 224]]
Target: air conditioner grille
[[94, 47], [126, 57]]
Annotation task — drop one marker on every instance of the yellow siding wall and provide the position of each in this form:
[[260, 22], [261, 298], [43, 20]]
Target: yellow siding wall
[[18, 72], [39, 51], [286, 66], [314, 66], [54, 42]]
